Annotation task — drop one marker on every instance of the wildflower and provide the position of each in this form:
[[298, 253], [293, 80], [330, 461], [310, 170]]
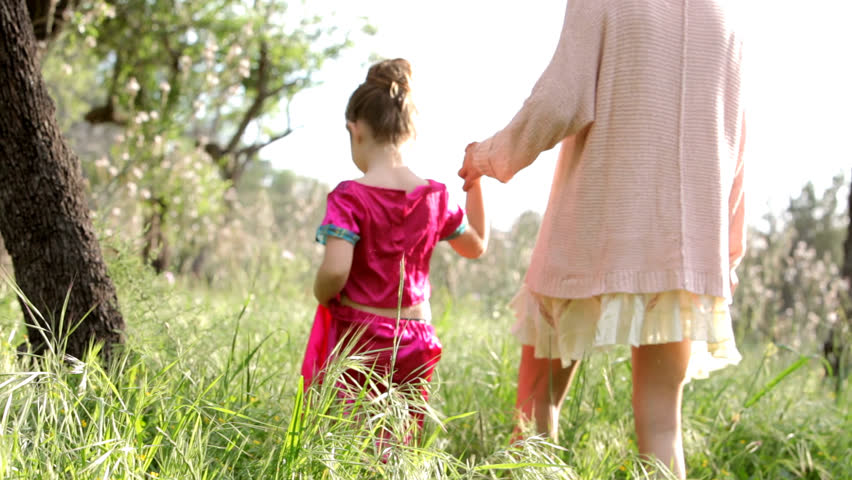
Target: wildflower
[[91, 42], [113, 171], [102, 162], [155, 115], [234, 51], [133, 86], [83, 423], [141, 457], [165, 87], [154, 474], [116, 211], [146, 194], [244, 68], [287, 255], [622, 468], [131, 187], [256, 442], [185, 62], [137, 172], [212, 80], [66, 69]]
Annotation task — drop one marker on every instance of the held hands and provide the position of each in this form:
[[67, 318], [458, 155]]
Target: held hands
[[469, 173]]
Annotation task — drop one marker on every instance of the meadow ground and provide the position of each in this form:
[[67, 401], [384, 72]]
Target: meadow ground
[[208, 388]]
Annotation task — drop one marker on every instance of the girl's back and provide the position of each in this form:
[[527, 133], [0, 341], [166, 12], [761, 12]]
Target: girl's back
[[395, 231]]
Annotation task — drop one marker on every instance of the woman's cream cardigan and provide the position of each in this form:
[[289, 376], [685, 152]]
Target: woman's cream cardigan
[[647, 195]]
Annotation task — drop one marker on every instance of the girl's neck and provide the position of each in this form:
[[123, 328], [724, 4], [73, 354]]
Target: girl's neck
[[385, 156]]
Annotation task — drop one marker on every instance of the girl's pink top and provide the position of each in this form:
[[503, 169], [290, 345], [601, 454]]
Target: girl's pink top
[[386, 226]]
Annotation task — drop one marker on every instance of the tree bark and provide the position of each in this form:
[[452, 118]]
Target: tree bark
[[847, 257], [44, 214]]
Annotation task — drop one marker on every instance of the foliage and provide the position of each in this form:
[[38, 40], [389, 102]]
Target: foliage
[[179, 99], [791, 290]]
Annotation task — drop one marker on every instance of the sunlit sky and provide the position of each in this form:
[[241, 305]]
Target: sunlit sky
[[475, 62]]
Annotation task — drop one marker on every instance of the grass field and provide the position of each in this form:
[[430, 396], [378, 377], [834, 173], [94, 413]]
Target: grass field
[[208, 388]]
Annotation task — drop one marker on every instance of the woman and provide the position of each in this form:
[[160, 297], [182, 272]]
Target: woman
[[644, 225]]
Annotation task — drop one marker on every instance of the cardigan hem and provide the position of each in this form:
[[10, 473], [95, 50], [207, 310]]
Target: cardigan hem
[[585, 286]]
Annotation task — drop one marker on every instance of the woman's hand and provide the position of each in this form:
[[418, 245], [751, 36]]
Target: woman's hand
[[469, 173]]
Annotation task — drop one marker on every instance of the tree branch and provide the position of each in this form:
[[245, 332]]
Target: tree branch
[[257, 105]]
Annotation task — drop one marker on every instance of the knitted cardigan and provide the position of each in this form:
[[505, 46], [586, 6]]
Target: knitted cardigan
[[647, 194]]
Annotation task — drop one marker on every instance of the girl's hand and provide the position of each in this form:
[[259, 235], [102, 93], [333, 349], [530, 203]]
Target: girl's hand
[[469, 173]]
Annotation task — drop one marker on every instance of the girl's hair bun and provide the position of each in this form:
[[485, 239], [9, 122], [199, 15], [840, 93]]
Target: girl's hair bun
[[393, 75], [384, 101]]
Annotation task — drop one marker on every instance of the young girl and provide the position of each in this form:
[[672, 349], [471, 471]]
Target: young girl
[[379, 232]]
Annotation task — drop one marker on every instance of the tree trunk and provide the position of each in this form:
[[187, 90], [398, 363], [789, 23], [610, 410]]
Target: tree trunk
[[847, 257], [44, 214]]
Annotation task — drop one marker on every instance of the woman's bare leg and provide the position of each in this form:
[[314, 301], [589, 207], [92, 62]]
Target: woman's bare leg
[[658, 376], [542, 386]]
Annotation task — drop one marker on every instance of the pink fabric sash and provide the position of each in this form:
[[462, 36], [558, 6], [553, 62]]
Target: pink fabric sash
[[417, 347]]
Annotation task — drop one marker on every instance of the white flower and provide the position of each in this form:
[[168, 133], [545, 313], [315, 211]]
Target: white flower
[[165, 164], [119, 138], [155, 115], [137, 172], [91, 42], [165, 87], [112, 171], [170, 278], [185, 62], [244, 67], [66, 69], [158, 141], [102, 162], [210, 49], [116, 211], [287, 255], [133, 86], [125, 156], [146, 194], [131, 187], [234, 51], [212, 80]]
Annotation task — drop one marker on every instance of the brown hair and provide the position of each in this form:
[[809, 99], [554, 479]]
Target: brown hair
[[384, 101]]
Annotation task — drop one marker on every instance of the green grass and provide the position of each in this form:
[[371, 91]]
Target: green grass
[[208, 388]]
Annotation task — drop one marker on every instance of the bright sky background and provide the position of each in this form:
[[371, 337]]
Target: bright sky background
[[475, 62]]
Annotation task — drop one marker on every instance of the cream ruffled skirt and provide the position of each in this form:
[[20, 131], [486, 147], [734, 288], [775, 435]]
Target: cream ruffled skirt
[[569, 329]]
